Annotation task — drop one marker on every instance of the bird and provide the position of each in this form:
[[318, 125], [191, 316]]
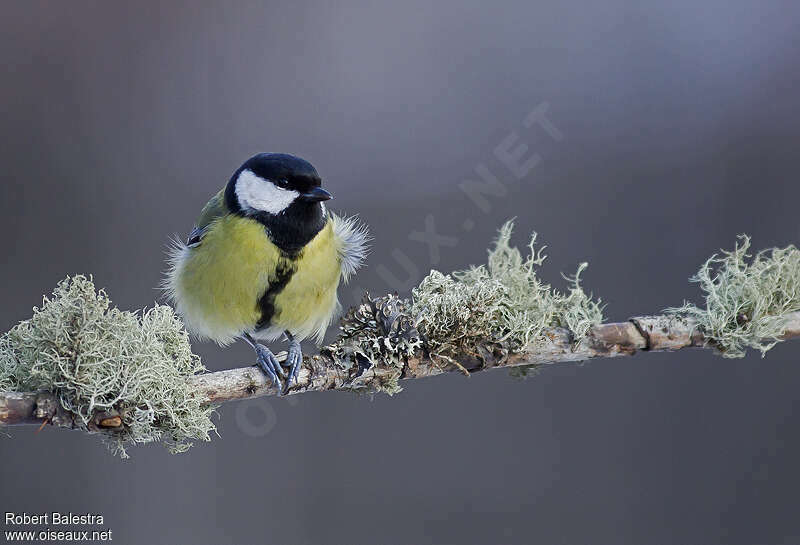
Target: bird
[[265, 260]]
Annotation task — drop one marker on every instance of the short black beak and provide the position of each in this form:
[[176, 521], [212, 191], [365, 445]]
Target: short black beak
[[315, 195]]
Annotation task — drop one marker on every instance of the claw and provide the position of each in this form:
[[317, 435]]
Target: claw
[[267, 362], [293, 361]]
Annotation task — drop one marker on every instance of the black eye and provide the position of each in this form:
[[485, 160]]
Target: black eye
[[282, 183]]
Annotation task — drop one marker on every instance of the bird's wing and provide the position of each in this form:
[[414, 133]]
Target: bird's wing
[[211, 211], [352, 243]]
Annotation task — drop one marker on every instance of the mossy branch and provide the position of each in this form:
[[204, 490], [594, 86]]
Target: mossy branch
[[322, 372], [134, 378]]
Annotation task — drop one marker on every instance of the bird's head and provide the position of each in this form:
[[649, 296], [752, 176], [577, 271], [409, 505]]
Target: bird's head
[[281, 191], [275, 183]]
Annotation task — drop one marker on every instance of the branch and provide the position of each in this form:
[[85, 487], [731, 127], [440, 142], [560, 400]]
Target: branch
[[323, 372]]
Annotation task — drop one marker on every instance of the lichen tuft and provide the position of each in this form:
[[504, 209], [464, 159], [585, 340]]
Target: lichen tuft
[[503, 301], [747, 297], [377, 332], [96, 358]]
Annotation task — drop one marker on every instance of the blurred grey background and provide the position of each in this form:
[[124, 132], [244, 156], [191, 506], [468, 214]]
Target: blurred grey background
[[678, 127]]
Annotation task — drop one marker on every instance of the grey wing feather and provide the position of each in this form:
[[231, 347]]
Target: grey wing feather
[[195, 236]]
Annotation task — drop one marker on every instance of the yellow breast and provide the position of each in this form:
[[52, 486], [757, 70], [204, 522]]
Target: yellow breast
[[307, 304], [218, 285]]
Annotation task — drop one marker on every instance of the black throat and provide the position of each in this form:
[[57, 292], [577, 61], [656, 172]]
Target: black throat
[[290, 230]]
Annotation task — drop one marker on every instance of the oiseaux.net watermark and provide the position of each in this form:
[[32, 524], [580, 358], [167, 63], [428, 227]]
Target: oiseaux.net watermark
[[55, 527]]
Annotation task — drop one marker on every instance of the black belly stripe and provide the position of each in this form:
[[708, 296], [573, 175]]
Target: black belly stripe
[[283, 273]]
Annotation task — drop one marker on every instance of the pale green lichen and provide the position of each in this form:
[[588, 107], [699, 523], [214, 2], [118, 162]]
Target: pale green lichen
[[503, 301], [747, 297], [98, 358]]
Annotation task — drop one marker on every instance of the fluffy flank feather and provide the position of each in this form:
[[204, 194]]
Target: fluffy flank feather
[[176, 252], [353, 240]]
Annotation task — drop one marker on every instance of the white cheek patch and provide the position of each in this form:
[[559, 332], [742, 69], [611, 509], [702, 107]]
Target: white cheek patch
[[257, 194]]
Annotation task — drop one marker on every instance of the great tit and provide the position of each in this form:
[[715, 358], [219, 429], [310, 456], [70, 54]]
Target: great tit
[[265, 259]]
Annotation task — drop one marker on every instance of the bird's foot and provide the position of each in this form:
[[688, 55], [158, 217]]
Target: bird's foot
[[293, 361], [268, 363]]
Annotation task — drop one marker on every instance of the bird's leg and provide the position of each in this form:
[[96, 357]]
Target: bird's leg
[[267, 361], [293, 360]]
